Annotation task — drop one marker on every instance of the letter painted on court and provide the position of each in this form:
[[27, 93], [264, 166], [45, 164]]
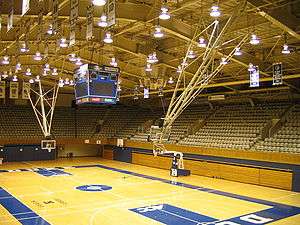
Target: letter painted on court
[[252, 218]]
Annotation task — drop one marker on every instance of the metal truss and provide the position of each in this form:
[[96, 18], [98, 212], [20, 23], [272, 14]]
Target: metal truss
[[43, 106], [204, 74]]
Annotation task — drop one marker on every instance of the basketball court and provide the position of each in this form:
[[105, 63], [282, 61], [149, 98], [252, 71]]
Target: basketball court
[[97, 191]]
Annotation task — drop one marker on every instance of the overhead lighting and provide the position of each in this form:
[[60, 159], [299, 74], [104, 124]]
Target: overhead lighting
[[67, 81], [157, 32], [47, 67], [285, 49], [5, 60], [37, 56], [71, 83], [44, 73], [164, 14], [15, 78], [191, 54], [54, 72], [148, 68], [24, 48], [31, 81], [152, 58], [99, 2], [61, 82], [72, 57], [28, 72], [107, 39], [237, 51], [78, 62], [215, 11], [170, 81], [37, 78], [50, 29], [251, 67], [254, 40], [63, 43], [18, 67], [223, 61], [184, 63], [179, 69], [113, 62], [4, 75], [202, 42], [103, 21]]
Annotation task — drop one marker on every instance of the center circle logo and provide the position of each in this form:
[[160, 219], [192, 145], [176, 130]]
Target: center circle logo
[[94, 188]]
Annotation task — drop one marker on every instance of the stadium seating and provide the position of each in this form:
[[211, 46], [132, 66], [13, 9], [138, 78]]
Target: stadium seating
[[287, 139], [228, 126]]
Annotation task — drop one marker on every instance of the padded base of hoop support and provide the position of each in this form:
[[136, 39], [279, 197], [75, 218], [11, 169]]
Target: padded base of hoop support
[[179, 172]]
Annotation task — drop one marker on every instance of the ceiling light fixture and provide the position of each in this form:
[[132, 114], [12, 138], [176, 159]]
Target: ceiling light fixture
[[103, 21], [170, 81], [113, 62], [50, 29], [78, 62], [157, 32], [18, 67], [164, 14], [237, 51], [5, 60], [251, 67], [47, 67], [223, 61], [44, 73], [54, 72], [71, 83], [63, 43], [15, 78], [37, 56], [191, 54], [72, 57], [24, 48], [37, 78], [148, 68], [254, 40], [108, 39], [28, 72], [285, 49], [61, 82], [215, 11], [179, 69], [202, 42], [31, 81], [99, 2], [152, 58], [67, 81]]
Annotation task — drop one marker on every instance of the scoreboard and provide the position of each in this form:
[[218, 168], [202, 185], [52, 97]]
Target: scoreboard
[[95, 84]]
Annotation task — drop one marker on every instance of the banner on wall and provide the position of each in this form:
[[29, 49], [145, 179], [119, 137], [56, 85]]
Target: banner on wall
[[146, 92], [14, 90], [254, 77], [10, 19], [111, 12], [2, 89], [55, 17], [25, 90], [89, 22], [73, 20], [277, 73], [25, 6]]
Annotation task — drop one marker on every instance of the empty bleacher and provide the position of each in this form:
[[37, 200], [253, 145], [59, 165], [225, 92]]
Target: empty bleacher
[[239, 126]]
